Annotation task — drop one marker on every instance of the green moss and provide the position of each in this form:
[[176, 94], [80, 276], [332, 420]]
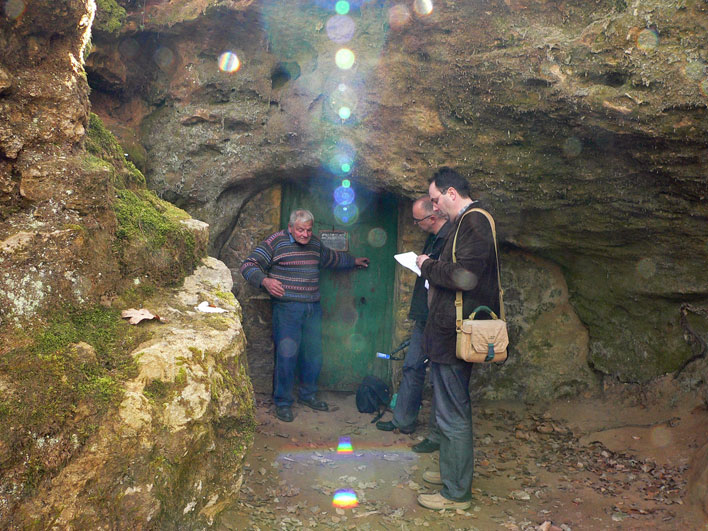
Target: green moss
[[227, 297], [158, 391], [105, 152], [143, 217], [51, 386], [110, 17]]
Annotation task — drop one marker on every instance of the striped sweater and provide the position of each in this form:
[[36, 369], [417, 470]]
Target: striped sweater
[[296, 266]]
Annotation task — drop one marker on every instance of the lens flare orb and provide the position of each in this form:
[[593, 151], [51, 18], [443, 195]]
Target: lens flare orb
[[572, 147], [342, 7], [423, 8], [648, 39], [14, 8], [695, 70], [646, 268], [398, 17], [346, 214], [343, 101], [345, 112], [164, 57], [229, 62], [345, 499], [340, 28], [377, 237], [344, 196], [703, 86], [344, 58]]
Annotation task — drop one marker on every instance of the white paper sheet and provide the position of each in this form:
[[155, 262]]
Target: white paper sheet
[[408, 260]]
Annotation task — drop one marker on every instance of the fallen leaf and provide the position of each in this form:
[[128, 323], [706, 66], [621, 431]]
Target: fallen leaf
[[135, 316]]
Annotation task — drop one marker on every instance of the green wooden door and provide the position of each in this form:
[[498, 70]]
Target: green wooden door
[[357, 305]]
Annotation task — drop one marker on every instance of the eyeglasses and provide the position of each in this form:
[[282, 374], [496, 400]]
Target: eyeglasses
[[416, 220], [435, 200]]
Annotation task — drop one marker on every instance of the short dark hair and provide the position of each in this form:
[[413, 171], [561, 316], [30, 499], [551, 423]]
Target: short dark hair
[[446, 178]]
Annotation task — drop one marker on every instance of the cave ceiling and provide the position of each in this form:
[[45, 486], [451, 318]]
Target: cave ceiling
[[581, 124]]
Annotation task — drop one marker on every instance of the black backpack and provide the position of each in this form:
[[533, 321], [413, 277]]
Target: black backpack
[[373, 393]]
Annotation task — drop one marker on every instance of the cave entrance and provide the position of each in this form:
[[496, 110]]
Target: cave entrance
[[357, 306]]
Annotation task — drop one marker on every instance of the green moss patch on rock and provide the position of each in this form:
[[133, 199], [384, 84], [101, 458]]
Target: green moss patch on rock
[[150, 240], [101, 143], [110, 17]]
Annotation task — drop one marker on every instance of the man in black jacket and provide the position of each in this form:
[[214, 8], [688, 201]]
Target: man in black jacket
[[474, 272], [410, 392]]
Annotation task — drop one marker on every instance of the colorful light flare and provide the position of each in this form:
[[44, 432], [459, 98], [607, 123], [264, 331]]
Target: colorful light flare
[[345, 446], [340, 28], [229, 62], [344, 58], [346, 183], [342, 7], [345, 499], [344, 112], [423, 7]]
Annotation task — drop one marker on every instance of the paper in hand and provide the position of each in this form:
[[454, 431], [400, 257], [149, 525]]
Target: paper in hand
[[408, 260]]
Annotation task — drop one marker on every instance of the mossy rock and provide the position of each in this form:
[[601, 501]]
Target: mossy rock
[[54, 399], [110, 17], [102, 144], [151, 242]]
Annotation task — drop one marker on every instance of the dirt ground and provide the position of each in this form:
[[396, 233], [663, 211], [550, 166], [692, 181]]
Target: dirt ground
[[582, 464]]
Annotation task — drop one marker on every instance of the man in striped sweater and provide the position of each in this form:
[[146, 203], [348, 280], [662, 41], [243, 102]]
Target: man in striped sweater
[[287, 265]]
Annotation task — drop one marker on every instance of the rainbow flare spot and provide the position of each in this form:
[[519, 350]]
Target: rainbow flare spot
[[345, 446], [345, 499], [229, 62]]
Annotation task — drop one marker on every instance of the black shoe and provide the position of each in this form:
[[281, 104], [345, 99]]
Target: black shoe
[[313, 403], [387, 425], [284, 413], [425, 446]]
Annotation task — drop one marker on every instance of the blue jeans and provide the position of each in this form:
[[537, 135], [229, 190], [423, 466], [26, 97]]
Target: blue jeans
[[453, 413], [410, 391], [297, 336]]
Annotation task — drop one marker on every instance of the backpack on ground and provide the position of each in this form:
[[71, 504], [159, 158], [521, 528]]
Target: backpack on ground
[[373, 396]]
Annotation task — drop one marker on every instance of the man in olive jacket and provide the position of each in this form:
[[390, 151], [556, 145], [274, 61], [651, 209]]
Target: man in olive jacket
[[475, 274]]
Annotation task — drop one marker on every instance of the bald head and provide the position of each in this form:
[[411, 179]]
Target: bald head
[[425, 216]]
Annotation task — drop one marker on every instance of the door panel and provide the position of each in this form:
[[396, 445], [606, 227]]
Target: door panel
[[357, 305]]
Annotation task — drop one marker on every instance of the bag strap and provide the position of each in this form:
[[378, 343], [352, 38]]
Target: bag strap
[[458, 294]]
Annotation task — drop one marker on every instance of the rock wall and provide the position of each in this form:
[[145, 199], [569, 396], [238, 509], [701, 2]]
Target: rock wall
[[96, 434], [173, 452], [582, 126]]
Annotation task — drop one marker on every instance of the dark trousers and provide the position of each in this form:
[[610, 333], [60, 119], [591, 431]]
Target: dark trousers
[[453, 414], [410, 392], [297, 336]]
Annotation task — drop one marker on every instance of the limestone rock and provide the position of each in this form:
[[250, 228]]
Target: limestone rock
[[161, 451]]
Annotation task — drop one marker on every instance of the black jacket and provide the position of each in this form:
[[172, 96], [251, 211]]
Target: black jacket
[[419, 300]]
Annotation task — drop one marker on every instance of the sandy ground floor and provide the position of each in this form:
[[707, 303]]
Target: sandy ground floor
[[584, 464]]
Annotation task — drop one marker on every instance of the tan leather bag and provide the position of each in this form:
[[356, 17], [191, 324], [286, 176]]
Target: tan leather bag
[[481, 341]]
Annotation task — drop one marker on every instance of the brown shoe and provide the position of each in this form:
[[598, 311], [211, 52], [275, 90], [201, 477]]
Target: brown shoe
[[432, 477], [437, 501]]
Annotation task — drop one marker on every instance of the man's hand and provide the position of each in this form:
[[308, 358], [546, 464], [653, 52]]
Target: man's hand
[[420, 259], [273, 286], [361, 262]]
